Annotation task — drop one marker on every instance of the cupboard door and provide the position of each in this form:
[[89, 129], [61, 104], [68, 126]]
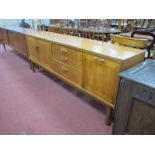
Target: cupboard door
[[101, 77], [45, 53], [32, 46], [20, 42], [5, 36], [11, 40]]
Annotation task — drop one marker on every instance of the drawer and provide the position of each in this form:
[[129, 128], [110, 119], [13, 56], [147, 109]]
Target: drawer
[[56, 66], [68, 56], [67, 72]]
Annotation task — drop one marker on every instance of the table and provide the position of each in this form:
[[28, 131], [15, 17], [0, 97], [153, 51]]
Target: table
[[80, 30]]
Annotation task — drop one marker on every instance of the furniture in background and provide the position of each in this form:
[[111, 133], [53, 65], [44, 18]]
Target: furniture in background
[[150, 43], [135, 107], [140, 35], [91, 32], [24, 24], [128, 41]]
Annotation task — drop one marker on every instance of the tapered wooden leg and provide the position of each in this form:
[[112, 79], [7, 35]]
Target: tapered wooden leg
[[108, 115], [30, 63], [33, 67], [4, 46]]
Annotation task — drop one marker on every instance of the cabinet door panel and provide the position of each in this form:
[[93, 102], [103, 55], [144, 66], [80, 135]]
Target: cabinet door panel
[[5, 36], [33, 51], [11, 40], [20, 42], [45, 53], [101, 77]]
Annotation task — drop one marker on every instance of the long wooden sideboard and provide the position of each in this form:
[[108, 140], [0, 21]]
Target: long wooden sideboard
[[88, 65]]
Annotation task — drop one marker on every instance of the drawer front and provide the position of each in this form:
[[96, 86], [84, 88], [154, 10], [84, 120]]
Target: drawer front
[[56, 66], [67, 72], [68, 56]]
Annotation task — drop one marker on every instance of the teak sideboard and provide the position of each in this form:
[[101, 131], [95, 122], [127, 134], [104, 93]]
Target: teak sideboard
[[88, 65]]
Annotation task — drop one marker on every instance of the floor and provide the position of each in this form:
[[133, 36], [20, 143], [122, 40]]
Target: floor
[[39, 103]]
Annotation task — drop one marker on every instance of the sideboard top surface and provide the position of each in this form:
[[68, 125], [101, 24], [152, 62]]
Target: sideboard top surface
[[115, 52]]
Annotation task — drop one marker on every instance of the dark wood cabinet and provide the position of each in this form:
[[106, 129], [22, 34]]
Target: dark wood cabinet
[[135, 108]]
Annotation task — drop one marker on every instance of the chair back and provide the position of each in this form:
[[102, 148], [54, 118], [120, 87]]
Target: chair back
[[129, 41], [150, 44]]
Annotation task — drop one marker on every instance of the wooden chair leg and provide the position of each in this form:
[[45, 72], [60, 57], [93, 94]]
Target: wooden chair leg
[[108, 115]]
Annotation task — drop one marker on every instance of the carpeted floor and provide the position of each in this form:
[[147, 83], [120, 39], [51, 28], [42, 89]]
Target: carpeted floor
[[39, 103]]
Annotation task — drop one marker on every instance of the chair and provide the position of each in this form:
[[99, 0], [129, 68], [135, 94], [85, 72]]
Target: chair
[[83, 33], [90, 34], [73, 32], [129, 41], [24, 24], [150, 43], [42, 27], [1, 41]]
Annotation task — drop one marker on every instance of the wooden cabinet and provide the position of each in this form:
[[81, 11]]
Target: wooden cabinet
[[135, 107], [40, 51], [5, 37], [100, 76]]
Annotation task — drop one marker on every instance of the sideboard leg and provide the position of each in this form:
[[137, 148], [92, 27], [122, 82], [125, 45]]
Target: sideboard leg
[[33, 67], [4, 46], [108, 115], [30, 64]]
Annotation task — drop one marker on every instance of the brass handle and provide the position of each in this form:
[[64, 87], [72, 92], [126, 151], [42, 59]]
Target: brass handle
[[100, 60], [63, 50], [64, 69], [63, 58], [36, 46]]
